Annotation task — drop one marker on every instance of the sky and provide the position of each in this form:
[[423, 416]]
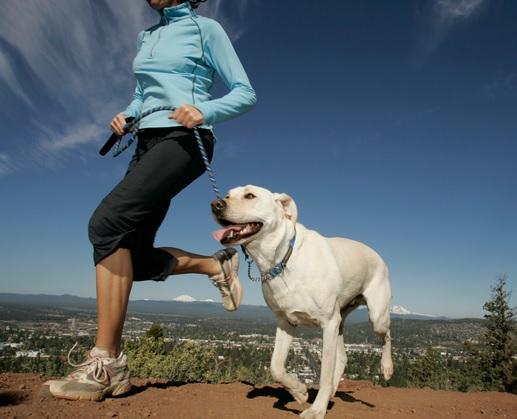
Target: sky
[[392, 123]]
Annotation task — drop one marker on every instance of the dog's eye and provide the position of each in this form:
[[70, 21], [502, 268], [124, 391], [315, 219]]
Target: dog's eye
[[249, 196]]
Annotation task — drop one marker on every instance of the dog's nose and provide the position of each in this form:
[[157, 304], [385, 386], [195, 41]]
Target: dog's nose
[[218, 205]]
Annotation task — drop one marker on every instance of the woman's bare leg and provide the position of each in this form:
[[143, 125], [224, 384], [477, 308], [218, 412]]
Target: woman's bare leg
[[114, 281], [191, 263]]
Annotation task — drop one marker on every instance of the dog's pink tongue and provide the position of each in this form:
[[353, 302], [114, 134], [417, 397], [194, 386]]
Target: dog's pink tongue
[[223, 232]]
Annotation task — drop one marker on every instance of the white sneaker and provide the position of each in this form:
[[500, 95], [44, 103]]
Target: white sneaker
[[96, 378], [228, 280]]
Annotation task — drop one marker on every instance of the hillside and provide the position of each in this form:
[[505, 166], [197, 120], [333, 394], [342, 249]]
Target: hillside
[[22, 395]]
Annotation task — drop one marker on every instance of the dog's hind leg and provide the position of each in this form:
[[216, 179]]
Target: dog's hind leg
[[341, 359], [378, 299], [283, 339]]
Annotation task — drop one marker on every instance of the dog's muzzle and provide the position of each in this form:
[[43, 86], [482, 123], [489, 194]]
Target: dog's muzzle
[[218, 206]]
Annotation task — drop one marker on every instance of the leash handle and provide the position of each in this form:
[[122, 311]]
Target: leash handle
[[113, 139]]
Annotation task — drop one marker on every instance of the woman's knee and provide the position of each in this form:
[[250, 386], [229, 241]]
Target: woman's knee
[[97, 226]]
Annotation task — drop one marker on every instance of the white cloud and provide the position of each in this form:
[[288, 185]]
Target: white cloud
[[457, 9], [445, 14], [78, 135]]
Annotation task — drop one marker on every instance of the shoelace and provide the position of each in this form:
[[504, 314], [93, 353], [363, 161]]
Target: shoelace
[[221, 283], [94, 364]]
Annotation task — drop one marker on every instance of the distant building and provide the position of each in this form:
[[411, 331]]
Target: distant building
[[28, 354]]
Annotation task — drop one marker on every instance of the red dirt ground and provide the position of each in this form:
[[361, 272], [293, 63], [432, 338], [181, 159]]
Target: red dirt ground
[[23, 396]]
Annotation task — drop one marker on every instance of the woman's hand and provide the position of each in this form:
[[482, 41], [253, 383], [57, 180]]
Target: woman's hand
[[117, 124], [188, 116]]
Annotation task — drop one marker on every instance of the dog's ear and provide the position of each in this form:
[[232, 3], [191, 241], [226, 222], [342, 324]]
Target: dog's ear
[[288, 205]]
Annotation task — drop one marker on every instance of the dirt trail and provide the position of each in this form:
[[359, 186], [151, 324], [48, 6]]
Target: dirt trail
[[22, 396]]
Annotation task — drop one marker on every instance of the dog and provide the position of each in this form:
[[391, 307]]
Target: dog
[[307, 279]]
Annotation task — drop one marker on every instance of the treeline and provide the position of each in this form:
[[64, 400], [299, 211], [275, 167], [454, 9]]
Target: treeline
[[490, 364]]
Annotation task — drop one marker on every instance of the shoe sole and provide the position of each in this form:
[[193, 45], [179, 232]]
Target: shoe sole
[[118, 389], [231, 256], [236, 283]]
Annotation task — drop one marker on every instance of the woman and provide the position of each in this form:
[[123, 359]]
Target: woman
[[175, 64]]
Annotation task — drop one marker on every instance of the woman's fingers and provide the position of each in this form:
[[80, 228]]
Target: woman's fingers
[[188, 116], [117, 124]]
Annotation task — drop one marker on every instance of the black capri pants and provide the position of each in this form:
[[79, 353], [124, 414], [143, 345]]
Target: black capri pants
[[166, 161]]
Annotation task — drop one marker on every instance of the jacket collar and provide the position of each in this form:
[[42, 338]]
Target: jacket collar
[[175, 13]]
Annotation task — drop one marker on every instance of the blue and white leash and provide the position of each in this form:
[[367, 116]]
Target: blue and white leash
[[133, 126], [275, 270]]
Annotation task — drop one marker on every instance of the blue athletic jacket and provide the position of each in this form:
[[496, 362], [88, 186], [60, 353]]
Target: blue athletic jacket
[[175, 64]]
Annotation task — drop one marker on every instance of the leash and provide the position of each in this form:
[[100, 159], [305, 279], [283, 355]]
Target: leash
[[132, 126], [275, 270]]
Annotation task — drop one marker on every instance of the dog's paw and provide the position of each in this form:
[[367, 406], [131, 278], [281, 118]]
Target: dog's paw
[[387, 369], [300, 395], [312, 414]]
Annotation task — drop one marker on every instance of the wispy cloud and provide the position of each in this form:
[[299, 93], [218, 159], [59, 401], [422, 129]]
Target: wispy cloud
[[5, 164], [457, 9], [233, 18], [504, 85], [74, 137], [443, 15], [9, 78]]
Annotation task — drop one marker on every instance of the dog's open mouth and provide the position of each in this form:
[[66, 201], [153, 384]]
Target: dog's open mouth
[[232, 233]]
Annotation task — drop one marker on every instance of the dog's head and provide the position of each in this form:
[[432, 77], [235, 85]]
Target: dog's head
[[250, 212]]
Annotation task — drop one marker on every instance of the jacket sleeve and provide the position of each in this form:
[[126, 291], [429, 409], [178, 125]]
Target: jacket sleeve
[[135, 107], [221, 56]]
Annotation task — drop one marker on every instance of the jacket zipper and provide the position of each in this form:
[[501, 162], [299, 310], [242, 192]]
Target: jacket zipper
[[159, 35], [156, 43]]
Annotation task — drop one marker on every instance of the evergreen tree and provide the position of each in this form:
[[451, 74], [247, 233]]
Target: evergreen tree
[[429, 371], [466, 374], [155, 332], [498, 361]]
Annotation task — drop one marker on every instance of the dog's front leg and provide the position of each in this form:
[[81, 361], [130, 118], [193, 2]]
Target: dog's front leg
[[284, 337], [328, 365]]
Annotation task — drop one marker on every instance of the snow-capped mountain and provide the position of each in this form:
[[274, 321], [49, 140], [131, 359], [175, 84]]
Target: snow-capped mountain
[[361, 314], [184, 299], [399, 310], [402, 311], [188, 299]]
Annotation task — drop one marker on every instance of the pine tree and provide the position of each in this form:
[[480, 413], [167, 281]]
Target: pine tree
[[429, 370], [498, 362], [155, 332]]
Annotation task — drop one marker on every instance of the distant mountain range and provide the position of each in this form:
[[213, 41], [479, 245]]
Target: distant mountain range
[[186, 306], [396, 311]]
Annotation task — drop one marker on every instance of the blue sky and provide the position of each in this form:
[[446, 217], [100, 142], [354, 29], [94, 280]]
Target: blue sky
[[393, 123]]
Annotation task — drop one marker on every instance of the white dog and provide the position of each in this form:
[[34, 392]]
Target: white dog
[[307, 279]]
